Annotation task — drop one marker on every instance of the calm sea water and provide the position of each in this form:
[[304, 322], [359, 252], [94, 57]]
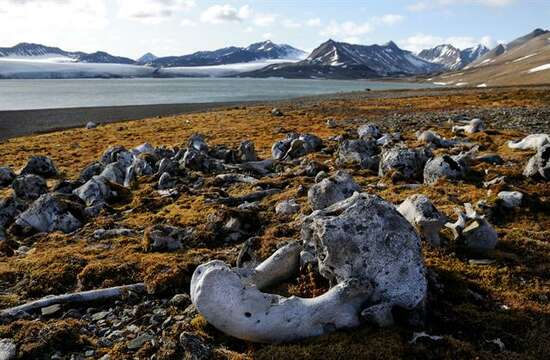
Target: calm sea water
[[48, 94]]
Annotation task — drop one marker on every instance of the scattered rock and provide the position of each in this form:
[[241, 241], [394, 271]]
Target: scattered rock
[[166, 238], [101, 234], [166, 182], [445, 167], [52, 212], [91, 125], [369, 131], [6, 176], [403, 163], [91, 170], [287, 207], [295, 146], [95, 191], [332, 190], [246, 152], [180, 300], [10, 208], [194, 347], [29, 187], [197, 142], [40, 165], [139, 341], [362, 153], [511, 199]]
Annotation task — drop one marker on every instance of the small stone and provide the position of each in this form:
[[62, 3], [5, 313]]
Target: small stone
[[91, 125], [139, 341], [276, 112], [194, 347], [180, 300], [40, 165], [287, 207], [50, 310]]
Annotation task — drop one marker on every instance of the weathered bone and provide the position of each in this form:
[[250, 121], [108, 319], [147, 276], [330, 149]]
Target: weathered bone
[[431, 137], [530, 142], [475, 125], [473, 230], [423, 215]]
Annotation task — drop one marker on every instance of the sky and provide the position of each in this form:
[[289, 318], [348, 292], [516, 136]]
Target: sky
[[177, 27]]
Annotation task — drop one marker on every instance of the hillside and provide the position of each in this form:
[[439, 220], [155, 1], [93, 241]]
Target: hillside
[[525, 60]]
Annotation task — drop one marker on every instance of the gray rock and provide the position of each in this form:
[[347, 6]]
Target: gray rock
[[510, 199], [369, 131], [91, 125], [197, 142], [139, 341], [539, 164], [166, 182], [139, 167], [295, 146], [100, 234], [287, 207], [40, 165], [332, 190], [51, 212], [2, 233], [322, 175], [312, 168], [276, 112], [91, 170], [246, 152], [96, 191], [10, 208], [180, 300], [445, 167], [403, 162], [423, 215], [366, 239], [117, 154], [194, 347], [7, 349], [168, 166], [6, 176], [200, 161], [361, 153], [144, 148], [29, 187], [167, 238], [114, 172]]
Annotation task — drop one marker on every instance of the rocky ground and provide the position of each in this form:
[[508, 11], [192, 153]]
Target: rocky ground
[[135, 225]]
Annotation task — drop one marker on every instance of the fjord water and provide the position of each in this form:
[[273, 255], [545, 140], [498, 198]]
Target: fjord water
[[51, 94]]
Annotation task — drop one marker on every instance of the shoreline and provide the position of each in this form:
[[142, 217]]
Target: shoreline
[[17, 123]]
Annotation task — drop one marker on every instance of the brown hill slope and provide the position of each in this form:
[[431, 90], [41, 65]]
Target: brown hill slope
[[523, 62]]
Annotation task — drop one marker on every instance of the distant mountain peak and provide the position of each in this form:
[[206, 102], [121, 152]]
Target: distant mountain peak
[[147, 59], [451, 57]]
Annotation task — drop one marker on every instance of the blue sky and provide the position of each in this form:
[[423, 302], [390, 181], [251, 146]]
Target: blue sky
[[176, 27]]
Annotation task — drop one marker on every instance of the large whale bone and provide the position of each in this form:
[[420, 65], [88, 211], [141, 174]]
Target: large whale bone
[[231, 300], [530, 142]]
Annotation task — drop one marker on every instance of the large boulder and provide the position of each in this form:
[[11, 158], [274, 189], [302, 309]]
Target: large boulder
[[366, 239], [403, 163], [445, 167], [332, 190], [96, 191], [6, 176], [51, 212], [29, 187], [362, 153], [40, 165], [538, 166], [91, 170]]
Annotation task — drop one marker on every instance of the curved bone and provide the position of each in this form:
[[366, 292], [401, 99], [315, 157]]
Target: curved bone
[[473, 230], [530, 142], [228, 300]]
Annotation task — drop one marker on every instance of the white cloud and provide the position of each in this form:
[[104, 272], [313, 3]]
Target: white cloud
[[218, 14], [347, 29], [152, 11], [420, 42], [188, 23], [352, 40], [315, 22], [264, 19], [291, 24], [434, 4], [267, 36], [389, 19]]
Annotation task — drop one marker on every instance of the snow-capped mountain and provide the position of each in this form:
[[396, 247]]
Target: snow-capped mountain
[[232, 55], [451, 57], [35, 50], [146, 59], [101, 57], [342, 60]]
